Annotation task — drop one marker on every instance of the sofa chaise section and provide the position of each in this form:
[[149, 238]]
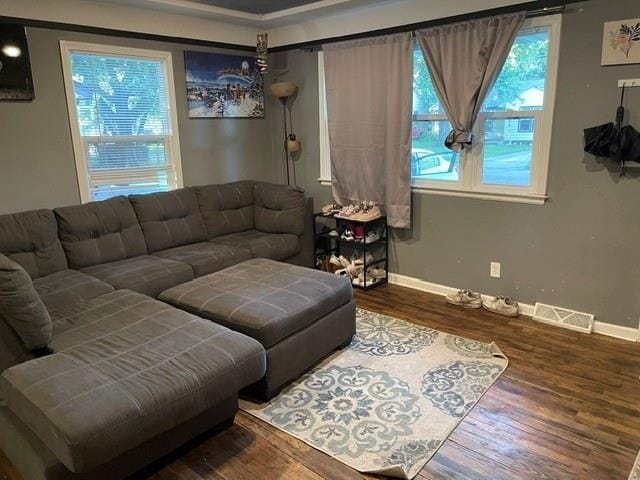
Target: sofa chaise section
[[127, 369], [174, 229], [104, 240], [31, 240]]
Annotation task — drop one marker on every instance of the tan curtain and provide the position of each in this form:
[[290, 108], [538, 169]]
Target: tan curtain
[[464, 60], [369, 94]]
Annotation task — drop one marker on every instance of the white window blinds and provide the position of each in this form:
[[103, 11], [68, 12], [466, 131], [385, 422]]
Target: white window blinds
[[122, 112]]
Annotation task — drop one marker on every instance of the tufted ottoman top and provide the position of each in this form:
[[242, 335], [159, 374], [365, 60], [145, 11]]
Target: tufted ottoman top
[[262, 298]]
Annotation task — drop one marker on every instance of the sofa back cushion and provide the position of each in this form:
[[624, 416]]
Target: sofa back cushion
[[169, 219], [31, 240], [227, 208], [279, 208], [100, 232], [21, 307]]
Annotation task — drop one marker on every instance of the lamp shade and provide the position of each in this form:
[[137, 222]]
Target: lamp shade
[[283, 89]]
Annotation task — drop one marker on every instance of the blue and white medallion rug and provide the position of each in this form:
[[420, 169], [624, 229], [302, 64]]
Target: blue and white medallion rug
[[387, 402]]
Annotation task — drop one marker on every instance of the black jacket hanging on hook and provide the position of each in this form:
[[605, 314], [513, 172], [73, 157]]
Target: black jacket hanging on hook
[[621, 144]]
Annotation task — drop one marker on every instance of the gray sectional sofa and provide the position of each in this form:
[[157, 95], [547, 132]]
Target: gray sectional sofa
[[122, 378]]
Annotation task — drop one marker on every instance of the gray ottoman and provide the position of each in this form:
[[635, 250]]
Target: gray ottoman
[[298, 314]]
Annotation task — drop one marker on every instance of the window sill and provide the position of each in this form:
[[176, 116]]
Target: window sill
[[530, 199]]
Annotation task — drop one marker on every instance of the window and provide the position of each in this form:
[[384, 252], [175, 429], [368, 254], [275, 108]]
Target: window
[[123, 119], [509, 159]]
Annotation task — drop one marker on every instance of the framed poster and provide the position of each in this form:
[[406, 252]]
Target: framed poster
[[16, 82], [621, 42], [223, 86]]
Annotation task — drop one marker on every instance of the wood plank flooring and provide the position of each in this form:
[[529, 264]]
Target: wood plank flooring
[[567, 407]]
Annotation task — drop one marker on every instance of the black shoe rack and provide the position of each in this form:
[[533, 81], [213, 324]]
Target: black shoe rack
[[325, 245]]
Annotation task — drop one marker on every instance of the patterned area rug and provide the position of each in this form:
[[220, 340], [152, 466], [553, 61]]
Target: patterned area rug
[[387, 402], [635, 471]]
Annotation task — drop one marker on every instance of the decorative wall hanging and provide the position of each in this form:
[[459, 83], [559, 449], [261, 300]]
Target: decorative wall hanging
[[223, 86], [16, 82], [261, 53], [621, 42]]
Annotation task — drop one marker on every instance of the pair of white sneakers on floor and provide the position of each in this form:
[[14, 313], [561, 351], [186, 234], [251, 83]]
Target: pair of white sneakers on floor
[[470, 299]]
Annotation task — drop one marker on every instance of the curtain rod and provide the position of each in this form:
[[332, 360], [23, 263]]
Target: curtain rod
[[533, 9]]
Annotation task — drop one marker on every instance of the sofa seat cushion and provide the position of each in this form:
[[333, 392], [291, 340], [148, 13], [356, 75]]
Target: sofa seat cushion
[[264, 299], [206, 257], [64, 288], [276, 246], [145, 274], [129, 370]]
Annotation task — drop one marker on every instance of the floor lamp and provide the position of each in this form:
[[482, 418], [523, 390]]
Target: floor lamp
[[284, 90]]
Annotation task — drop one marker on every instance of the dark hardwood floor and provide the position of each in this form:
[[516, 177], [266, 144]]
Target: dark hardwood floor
[[567, 407]]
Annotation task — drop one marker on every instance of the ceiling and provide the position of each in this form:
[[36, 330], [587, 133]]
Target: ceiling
[[256, 6]]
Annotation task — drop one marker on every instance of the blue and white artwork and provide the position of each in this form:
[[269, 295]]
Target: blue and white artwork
[[223, 86]]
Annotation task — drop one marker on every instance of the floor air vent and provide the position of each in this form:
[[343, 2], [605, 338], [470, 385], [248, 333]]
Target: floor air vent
[[562, 317]]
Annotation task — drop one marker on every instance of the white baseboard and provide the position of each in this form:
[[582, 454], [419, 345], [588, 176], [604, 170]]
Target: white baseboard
[[609, 329]]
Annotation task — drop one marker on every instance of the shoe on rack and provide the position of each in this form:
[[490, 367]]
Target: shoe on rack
[[502, 305], [358, 259], [358, 233], [347, 212], [465, 299], [347, 235], [372, 237], [340, 261], [361, 281], [334, 233], [331, 209], [376, 273], [370, 214]]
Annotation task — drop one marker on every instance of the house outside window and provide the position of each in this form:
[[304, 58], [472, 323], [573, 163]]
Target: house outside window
[[123, 119]]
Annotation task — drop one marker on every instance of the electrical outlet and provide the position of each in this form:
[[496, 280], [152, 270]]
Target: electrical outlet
[[494, 270]]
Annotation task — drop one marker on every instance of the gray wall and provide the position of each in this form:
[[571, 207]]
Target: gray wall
[[37, 168], [581, 249]]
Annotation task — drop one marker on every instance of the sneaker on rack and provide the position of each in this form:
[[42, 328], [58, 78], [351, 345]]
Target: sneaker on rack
[[348, 212], [358, 258], [347, 235], [371, 237], [372, 213]]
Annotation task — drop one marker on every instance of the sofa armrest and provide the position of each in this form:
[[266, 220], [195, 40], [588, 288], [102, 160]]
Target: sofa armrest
[[279, 208]]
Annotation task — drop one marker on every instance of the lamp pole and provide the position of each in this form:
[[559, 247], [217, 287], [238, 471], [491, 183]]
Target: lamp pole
[[286, 136]]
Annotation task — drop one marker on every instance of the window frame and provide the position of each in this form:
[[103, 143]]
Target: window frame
[[171, 140], [469, 184]]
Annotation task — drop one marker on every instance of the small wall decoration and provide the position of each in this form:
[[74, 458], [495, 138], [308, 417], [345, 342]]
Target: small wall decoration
[[223, 86], [16, 82], [621, 42]]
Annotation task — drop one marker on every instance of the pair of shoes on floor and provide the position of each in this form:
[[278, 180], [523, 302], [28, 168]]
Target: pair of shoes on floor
[[469, 299]]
